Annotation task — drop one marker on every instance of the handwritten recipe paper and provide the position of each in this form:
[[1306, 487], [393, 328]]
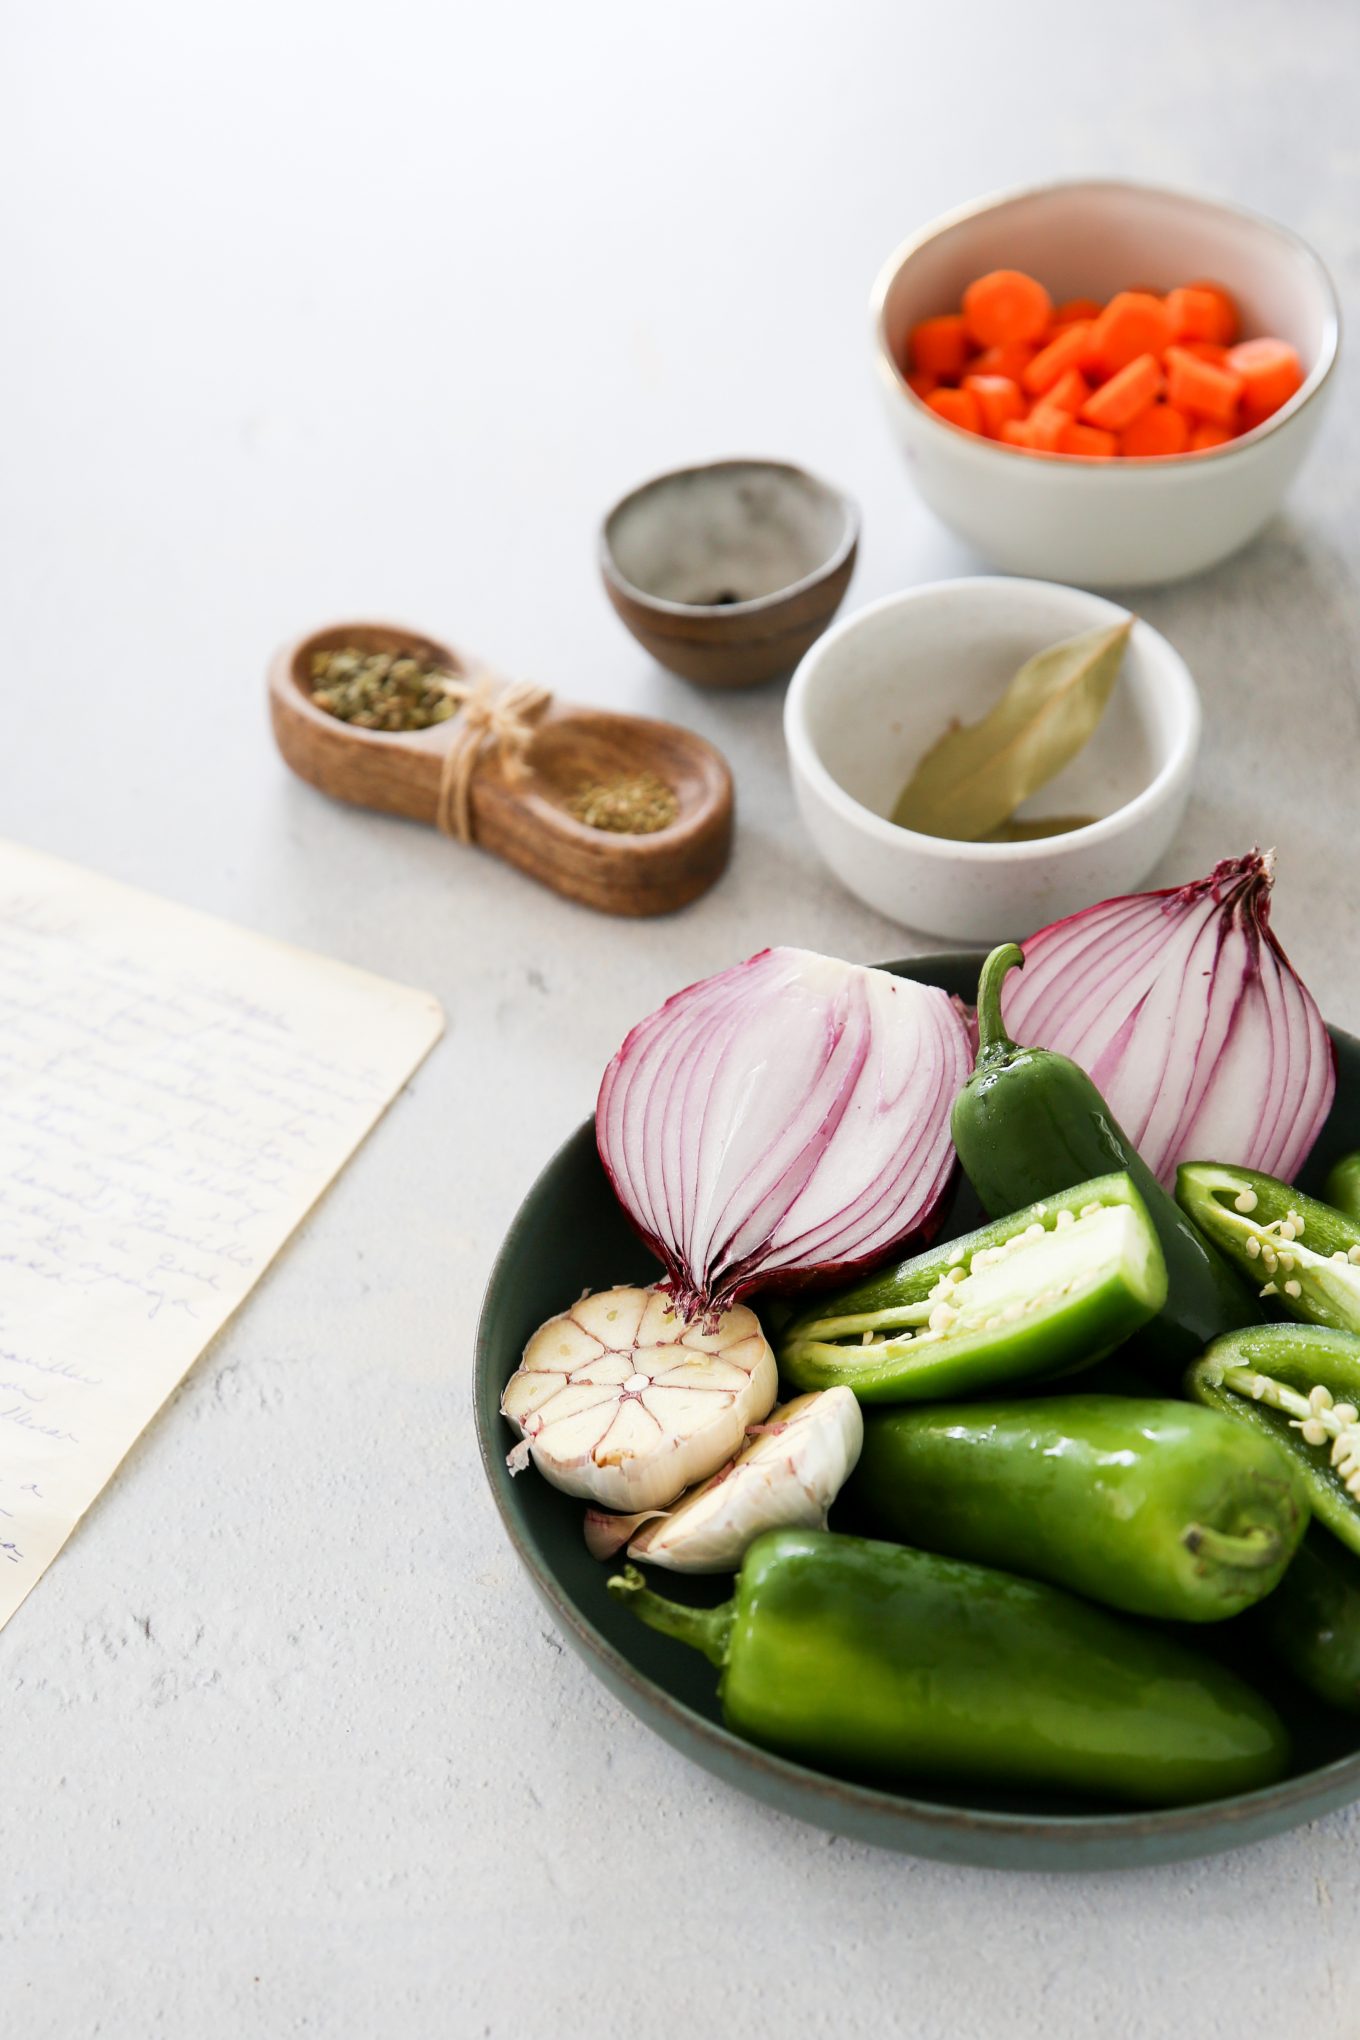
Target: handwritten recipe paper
[[175, 1094]]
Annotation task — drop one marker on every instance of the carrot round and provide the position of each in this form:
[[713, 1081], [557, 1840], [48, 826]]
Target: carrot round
[[1017, 432], [1064, 351], [1119, 401], [1197, 386], [1072, 309], [1087, 442], [1132, 323], [1207, 434], [1206, 350], [998, 399], [1068, 394], [960, 407], [1011, 359], [1158, 431], [939, 347], [1203, 311], [1270, 371], [1006, 305], [1047, 422]]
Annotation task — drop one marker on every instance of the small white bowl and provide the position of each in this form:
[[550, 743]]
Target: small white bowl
[[871, 697], [1117, 523]]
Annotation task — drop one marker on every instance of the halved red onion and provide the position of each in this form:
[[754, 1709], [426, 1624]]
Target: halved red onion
[[786, 1118], [1184, 1011]]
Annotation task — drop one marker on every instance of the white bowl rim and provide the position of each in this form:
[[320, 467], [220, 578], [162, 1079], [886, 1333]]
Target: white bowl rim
[[1310, 387], [947, 849], [845, 544]]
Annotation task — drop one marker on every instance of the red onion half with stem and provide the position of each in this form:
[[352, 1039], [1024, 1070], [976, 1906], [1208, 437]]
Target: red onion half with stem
[[1184, 1011], [784, 1119]]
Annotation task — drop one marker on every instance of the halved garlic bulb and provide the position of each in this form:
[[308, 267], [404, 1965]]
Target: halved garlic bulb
[[620, 1401], [787, 1475]]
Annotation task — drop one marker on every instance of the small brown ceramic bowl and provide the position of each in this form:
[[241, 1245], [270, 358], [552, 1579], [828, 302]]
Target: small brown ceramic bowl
[[727, 573]]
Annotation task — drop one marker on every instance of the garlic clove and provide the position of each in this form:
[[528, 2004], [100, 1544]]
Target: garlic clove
[[607, 1532], [620, 1401], [788, 1473]]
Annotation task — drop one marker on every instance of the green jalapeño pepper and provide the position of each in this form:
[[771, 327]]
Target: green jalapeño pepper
[[1311, 1623], [1157, 1507], [1028, 1123], [1342, 1187], [1305, 1255], [1300, 1384], [871, 1660], [1051, 1289]]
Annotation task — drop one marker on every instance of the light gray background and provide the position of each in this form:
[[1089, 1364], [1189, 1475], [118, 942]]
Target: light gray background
[[315, 310]]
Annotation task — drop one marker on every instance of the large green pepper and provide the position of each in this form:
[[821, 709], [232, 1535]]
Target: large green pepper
[[872, 1660], [1028, 1123], [1311, 1622], [1342, 1187], [1050, 1289], [1300, 1384], [1156, 1507], [1304, 1254]]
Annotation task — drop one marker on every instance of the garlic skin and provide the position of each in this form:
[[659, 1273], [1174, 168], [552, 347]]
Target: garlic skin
[[621, 1402], [786, 1476]]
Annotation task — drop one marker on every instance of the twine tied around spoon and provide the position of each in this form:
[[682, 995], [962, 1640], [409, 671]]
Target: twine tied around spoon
[[494, 719]]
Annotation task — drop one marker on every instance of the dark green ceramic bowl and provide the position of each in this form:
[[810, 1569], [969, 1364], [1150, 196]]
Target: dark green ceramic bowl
[[570, 1235]]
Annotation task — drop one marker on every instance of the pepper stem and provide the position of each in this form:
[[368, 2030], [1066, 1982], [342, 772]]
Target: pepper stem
[[1254, 1551], [992, 1036], [705, 1629]]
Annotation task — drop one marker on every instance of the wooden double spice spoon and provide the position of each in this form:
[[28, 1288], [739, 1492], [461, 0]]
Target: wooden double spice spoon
[[502, 770]]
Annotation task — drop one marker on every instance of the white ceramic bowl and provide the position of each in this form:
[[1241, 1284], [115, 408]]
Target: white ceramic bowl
[[871, 697], [1116, 523]]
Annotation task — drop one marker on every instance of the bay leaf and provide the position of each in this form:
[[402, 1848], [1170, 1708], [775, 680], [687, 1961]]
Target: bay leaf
[[978, 774], [1015, 831]]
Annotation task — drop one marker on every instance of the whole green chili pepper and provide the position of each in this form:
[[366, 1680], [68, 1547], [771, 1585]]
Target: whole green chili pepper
[[1342, 1187], [1050, 1289], [1311, 1623], [873, 1660], [1156, 1507], [1304, 1255], [1301, 1385], [1028, 1123]]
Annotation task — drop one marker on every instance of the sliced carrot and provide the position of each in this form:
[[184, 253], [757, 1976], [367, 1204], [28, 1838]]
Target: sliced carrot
[[1006, 305], [960, 407], [1012, 358], [1072, 309], [1128, 392], [1132, 323], [1068, 393], [1271, 372], [1064, 351], [1203, 311], [1087, 442], [1159, 430], [1047, 422], [1199, 387], [1149, 374], [998, 399], [940, 346]]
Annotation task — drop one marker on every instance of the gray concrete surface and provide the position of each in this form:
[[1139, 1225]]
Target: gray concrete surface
[[372, 309]]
